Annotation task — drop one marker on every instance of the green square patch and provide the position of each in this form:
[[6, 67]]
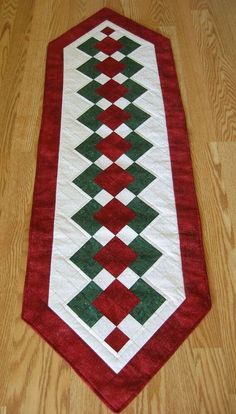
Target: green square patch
[[81, 304], [86, 182], [89, 91], [89, 46], [88, 147], [84, 258], [89, 68], [150, 301], [128, 45], [85, 217], [139, 146], [138, 116], [144, 215], [142, 178], [131, 67], [134, 90], [147, 255], [89, 118]]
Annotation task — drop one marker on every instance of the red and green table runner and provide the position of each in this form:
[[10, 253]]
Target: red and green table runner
[[116, 277]]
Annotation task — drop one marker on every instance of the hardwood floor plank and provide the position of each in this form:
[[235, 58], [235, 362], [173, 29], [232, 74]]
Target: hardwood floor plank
[[219, 73], [7, 12], [14, 72], [211, 380]]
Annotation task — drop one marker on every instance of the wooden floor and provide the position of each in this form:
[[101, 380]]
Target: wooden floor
[[201, 376]]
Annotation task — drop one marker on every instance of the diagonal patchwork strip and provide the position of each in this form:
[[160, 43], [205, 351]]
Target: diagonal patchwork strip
[[115, 256], [123, 280]]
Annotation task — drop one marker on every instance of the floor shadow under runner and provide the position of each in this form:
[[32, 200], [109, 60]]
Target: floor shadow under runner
[[116, 276]]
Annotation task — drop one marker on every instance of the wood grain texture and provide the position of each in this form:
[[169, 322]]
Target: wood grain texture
[[200, 378]]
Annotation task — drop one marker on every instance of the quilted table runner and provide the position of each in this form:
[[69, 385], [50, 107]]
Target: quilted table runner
[[116, 276]]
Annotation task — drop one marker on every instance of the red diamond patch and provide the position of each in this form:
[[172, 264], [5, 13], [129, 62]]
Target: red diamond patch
[[110, 67], [113, 117], [113, 146], [114, 179], [108, 45], [117, 339], [116, 302], [107, 31], [115, 256], [112, 90], [114, 215]]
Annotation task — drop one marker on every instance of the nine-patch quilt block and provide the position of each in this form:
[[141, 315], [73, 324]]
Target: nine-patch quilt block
[[116, 276]]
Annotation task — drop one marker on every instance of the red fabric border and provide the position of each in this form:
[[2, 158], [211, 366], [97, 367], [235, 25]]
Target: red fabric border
[[116, 390]]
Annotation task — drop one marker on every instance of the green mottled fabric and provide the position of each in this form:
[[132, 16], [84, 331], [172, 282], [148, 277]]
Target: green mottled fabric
[[89, 91], [89, 46], [139, 146], [85, 217], [89, 68], [134, 90], [142, 178], [128, 45], [131, 67], [144, 215], [89, 118], [147, 255], [86, 182], [150, 301], [83, 258], [88, 147], [137, 118], [81, 304]]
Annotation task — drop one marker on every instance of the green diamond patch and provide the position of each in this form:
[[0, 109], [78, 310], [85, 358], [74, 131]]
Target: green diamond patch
[[142, 178], [144, 215], [85, 217], [89, 68], [138, 116], [134, 90], [88, 147], [81, 304], [150, 301], [147, 255], [89, 118], [83, 258], [89, 91], [139, 146], [89, 47], [86, 182], [131, 67], [128, 45]]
